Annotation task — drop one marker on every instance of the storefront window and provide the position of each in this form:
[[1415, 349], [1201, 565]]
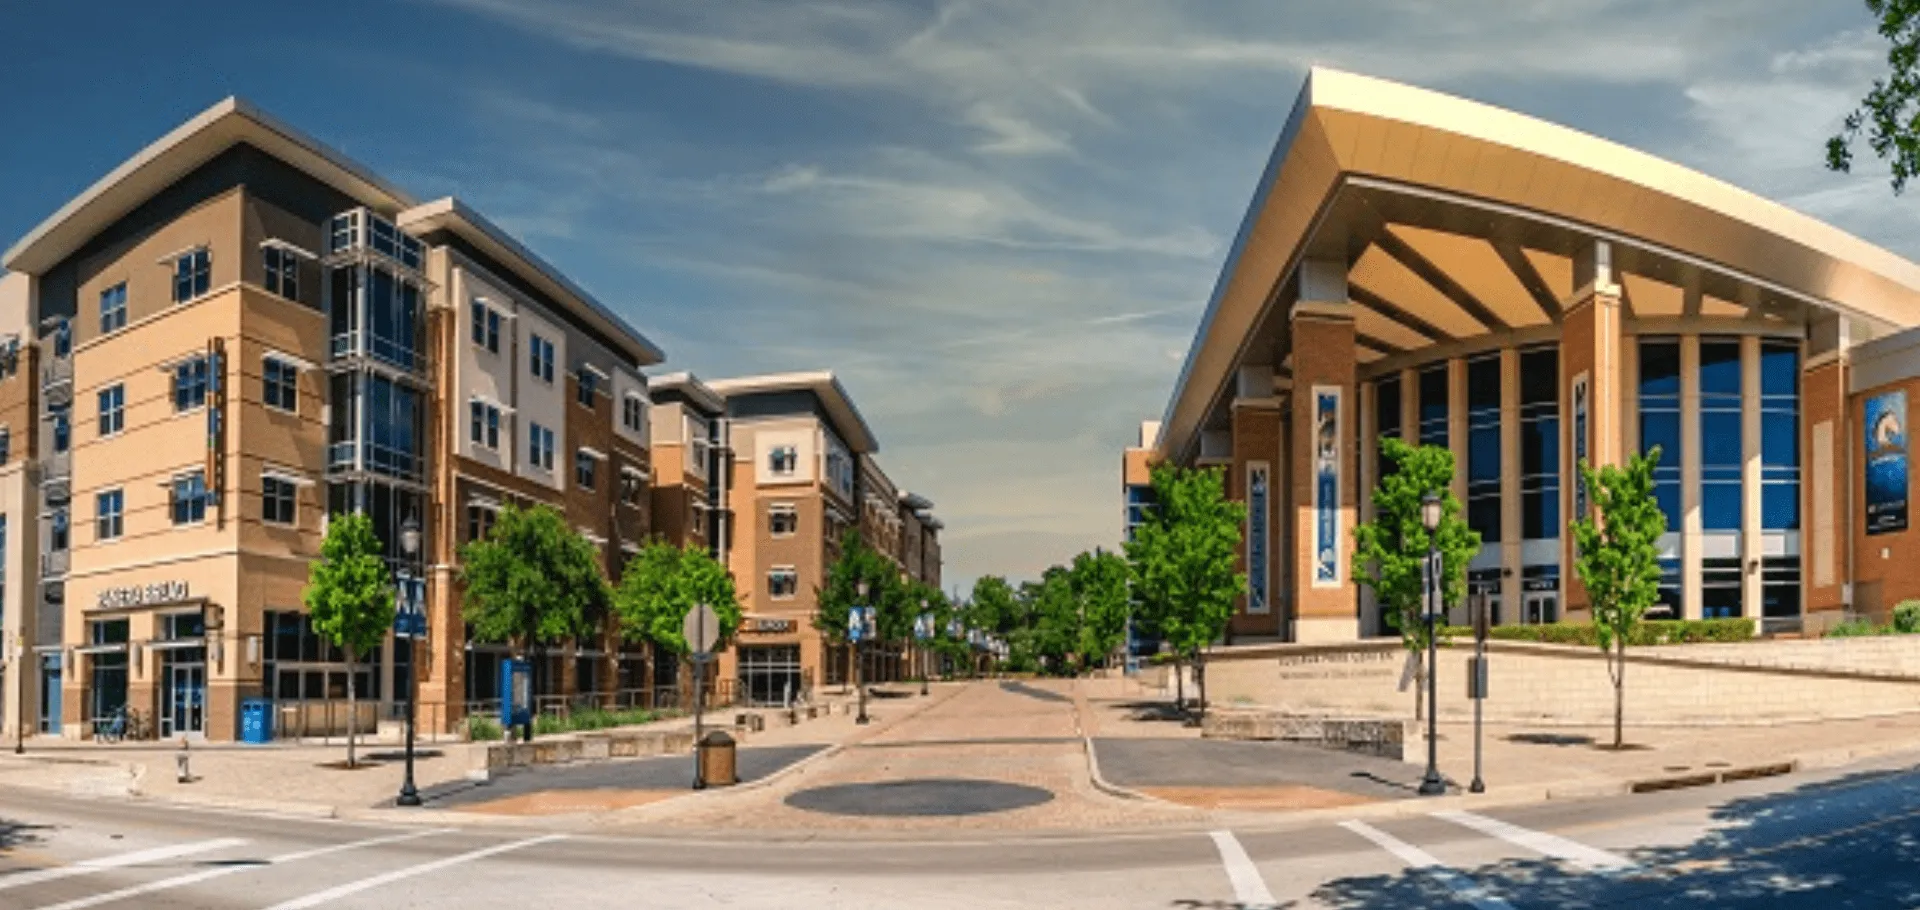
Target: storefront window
[[1720, 587], [1386, 417]]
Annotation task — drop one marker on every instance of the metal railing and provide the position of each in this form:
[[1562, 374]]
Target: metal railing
[[55, 371]]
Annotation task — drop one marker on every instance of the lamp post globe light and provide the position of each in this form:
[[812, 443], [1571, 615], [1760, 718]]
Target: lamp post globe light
[[1430, 511], [410, 548], [859, 651]]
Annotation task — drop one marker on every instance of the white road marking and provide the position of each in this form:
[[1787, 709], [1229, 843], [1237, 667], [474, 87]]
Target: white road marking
[[201, 876], [1592, 859], [321, 897], [1248, 887], [1467, 889], [103, 863]]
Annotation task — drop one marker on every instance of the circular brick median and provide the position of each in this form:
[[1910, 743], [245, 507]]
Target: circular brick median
[[919, 798]]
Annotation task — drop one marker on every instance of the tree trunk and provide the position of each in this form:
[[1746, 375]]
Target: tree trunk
[[1200, 678], [1419, 687], [1179, 685], [1620, 693], [352, 714]]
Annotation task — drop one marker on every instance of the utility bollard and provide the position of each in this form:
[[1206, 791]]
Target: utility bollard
[[181, 771]]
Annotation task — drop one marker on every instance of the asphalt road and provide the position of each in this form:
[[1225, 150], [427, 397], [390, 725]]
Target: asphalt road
[[1833, 840], [667, 772]]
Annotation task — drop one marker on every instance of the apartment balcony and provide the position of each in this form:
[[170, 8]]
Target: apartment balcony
[[56, 371], [54, 563], [56, 467], [56, 491]]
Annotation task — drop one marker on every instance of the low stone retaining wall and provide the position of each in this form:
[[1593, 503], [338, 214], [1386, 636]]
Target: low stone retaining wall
[[1569, 685], [575, 747], [1382, 736]]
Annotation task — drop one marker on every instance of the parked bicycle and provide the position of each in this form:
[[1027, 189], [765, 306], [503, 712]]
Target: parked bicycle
[[112, 728]]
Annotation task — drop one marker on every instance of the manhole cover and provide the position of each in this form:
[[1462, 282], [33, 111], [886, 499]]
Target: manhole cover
[[938, 797]]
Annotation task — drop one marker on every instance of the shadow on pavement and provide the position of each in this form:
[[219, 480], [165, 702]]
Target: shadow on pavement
[[1215, 763], [1020, 688], [14, 835], [665, 772], [1850, 842]]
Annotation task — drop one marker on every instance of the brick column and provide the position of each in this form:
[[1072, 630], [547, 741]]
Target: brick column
[[1325, 606], [1256, 447], [1591, 353], [1828, 454]]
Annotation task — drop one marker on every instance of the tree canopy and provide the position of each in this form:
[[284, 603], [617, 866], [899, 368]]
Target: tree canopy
[[662, 583], [350, 597], [1889, 115], [1183, 558], [1389, 551], [1618, 559], [887, 593], [532, 580]]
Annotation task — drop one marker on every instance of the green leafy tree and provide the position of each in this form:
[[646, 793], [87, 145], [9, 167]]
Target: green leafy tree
[[1049, 639], [662, 584], [1618, 559], [1183, 561], [886, 593], [350, 597], [1890, 112], [1100, 584], [532, 581], [1389, 552]]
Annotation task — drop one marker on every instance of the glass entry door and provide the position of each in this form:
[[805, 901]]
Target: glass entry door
[[1542, 608], [183, 693]]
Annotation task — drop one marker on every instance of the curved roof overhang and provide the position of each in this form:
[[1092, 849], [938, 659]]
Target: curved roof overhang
[[177, 154], [1456, 219]]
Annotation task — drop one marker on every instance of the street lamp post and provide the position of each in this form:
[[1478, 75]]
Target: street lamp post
[[1432, 784], [859, 655], [925, 629], [20, 689], [410, 547]]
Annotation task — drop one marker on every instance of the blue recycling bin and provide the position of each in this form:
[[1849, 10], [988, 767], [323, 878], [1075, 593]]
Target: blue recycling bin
[[256, 721]]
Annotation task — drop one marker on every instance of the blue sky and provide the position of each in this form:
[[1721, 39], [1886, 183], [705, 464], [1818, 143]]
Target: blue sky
[[998, 221]]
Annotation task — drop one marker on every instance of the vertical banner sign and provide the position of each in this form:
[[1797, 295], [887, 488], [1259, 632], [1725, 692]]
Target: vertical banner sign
[[1580, 443], [1326, 486], [1257, 537], [1886, 462]]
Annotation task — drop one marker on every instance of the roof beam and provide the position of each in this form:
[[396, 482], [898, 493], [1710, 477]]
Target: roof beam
[[1377, 343], [1433, 275], [1386, 308], [1529, 278]]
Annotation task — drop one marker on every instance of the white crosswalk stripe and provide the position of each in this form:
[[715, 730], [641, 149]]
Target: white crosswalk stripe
[[1592, 859], [193, 878], [1248, 887], [1465, 888], [333, 894], [117, 861]]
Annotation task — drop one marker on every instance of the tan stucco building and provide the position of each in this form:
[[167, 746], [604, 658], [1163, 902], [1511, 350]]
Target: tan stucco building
[[1421, 266]]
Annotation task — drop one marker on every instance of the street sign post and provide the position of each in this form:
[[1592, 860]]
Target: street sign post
[[1477, 676], [701, 629]]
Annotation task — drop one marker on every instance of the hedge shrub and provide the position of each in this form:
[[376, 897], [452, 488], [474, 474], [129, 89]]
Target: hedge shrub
[[1648, 632], [1906, 617]]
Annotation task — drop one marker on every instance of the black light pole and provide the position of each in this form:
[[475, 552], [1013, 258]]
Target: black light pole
[[1432, 784], [410, 547], [20, 682], [859, 655], [925, 628]]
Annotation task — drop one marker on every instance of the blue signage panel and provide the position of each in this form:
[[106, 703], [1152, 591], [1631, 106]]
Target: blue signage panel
[[1326, 486], [1886, 462], [516, 693]]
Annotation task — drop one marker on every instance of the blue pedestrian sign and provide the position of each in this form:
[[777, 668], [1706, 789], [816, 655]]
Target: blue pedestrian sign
[[410, 607]]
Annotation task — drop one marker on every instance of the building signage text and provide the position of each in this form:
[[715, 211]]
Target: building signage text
[[164, 592]]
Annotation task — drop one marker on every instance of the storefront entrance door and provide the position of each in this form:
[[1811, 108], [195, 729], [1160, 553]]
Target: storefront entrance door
[[1542, 608], [183, 694]]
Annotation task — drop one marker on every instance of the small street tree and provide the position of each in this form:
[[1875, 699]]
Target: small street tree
[[1099, 583], [1618, 559], [532, 581], [1389, 551], [662, 583], [350, 598], [1183, 561], [859, 563]]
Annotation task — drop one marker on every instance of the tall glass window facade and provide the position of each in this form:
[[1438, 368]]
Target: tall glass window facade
[[1386, 420], [1483, 447], [1720, 434], [1540, 444], [1433, 406], [1780, 436], [1660, 420]]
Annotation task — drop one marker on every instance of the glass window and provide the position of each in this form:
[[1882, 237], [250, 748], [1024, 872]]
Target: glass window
[[540, 446], [540, 357], [486, 325], [113, 308], [190, 383], [1483, 447], [280, 384], [783, 460], [1780, 438], [783, 582], [1660, 420], [583, 469], [479, 522], [189, 498], [6, 444], [113, 407], [62, 338], [1386, 416], [1720, 434], [1720, 588], [192, 275], [484, 424], [108, 508], [633, 413], [282, 272], [62, 430], [1540, 444], [783, 520], [1433, 406], [59, 537], [586, 385], [277, 500]]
